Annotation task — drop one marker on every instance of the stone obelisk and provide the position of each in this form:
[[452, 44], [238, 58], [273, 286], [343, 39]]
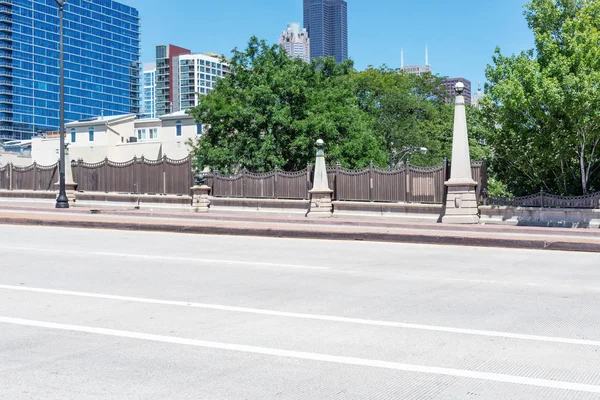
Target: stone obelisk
[[461, 203], [320, 194]]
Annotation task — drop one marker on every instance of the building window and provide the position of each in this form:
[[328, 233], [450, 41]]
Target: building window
[[91, 134], [178, 126], [73, 135], [141, 134], [199, 129], [153, 133]]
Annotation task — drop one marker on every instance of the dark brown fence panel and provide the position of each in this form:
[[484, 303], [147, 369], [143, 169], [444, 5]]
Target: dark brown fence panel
[[119, 177], [45, 177], [292, 185], [389, 185], [426, 184], [353, 185], [260, 186], [24, 177], [178, 176], [151, 176], [332, 174], [90, 177], [479, 173], [5, 177], [227, 186]]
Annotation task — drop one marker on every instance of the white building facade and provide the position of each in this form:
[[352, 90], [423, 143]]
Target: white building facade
[[295, 41], [149, 91], [121, 138], [195, 75]]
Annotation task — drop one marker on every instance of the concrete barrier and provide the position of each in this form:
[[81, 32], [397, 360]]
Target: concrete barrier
[[533, 216], [225, 204], [410, 212]]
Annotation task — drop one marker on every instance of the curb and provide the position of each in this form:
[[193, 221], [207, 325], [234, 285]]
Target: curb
[[316, 234]]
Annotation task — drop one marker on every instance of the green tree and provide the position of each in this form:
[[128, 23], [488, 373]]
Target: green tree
[[543, 105], [269, 111], [397, 102]]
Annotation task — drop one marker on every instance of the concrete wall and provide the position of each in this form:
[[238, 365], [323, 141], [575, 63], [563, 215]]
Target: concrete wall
[[529, 216], [16, 159]]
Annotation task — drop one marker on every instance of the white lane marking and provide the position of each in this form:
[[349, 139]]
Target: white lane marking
[[521, 380], [329, 318], [158, 257]]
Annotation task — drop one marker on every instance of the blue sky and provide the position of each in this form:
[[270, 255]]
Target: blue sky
[[461, 35]]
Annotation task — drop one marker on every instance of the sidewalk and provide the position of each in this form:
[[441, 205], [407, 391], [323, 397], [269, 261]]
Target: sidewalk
[[293, 226]]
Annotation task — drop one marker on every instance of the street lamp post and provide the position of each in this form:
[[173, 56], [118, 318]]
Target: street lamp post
[[62, 201], [406, 153]]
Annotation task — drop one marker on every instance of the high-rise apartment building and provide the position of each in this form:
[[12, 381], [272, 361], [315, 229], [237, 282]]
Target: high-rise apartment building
[[295, 42], [450, 86], [195, 75], [149, 91], [102, 63], [165, 55], [327, 24]]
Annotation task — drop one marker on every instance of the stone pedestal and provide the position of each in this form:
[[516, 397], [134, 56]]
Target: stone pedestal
[[320, 203], [320, 195], [461, 203], [200, 201]]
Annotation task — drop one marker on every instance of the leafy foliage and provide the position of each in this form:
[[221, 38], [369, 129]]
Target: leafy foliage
[[543, 108], [269, 111]]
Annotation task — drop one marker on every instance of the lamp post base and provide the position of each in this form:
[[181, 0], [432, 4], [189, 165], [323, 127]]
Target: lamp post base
[[62, 201]]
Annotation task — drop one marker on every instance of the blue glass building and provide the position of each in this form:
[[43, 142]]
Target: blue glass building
[[327, 24], [102, 63]]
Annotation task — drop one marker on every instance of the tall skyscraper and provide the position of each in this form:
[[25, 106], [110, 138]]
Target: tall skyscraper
[[295, 42], [149, 91], [164, 76], [327, 24], [102, 63], [195, 75]]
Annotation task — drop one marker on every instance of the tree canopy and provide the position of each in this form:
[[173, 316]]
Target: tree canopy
[[269, 111], [543, 105]]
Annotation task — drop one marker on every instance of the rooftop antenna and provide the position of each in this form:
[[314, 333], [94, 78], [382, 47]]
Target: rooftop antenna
[[426, 55]]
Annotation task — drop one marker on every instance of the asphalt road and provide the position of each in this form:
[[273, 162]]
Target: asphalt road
[[98, 314]]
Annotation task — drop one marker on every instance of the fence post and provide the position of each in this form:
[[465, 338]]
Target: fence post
[[408, 182], [308, 173], [134, 174], [164, 173], [336, 176], [276, 173], [35, 174], [10, 176], [141, 186], [371, 181], [244, 183]]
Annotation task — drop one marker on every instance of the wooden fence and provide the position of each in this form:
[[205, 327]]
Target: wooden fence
[[138, 175], [33, 177], [271, 185], [408, 184]]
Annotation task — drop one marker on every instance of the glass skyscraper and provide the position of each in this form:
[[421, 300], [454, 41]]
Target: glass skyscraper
[[149, 91], [327, 24], [102, 63]]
